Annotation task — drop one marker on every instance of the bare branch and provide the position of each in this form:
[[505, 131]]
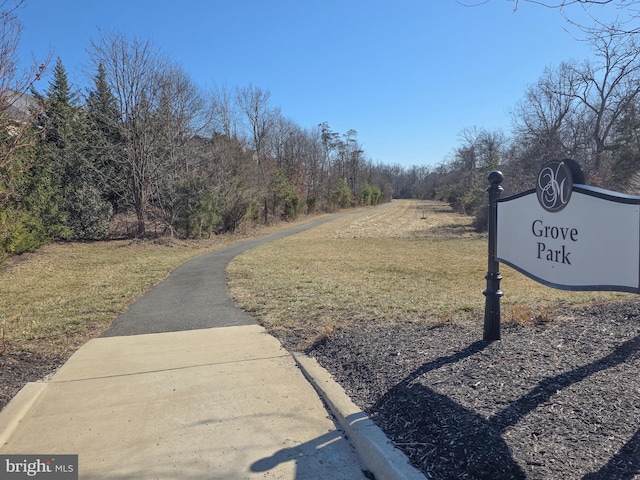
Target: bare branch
[[475, 4], [16, 107], [626, 21]]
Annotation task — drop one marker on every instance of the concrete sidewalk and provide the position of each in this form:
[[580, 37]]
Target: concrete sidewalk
[[219, 403]]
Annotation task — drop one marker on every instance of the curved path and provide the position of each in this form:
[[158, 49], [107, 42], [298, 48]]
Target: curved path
[[194, 295]]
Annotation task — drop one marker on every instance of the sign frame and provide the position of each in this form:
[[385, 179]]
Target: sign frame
[[584, 192]]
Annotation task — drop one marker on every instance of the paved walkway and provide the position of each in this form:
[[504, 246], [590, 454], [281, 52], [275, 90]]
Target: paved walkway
[[185, 386]]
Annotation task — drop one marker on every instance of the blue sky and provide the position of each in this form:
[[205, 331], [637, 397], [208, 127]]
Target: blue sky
[[408, 76]]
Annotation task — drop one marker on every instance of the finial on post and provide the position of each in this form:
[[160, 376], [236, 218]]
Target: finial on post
[[495, 177]]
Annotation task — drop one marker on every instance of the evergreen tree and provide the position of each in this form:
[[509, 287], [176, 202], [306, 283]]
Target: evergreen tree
[[44, 197], [65, 187], [341, 196], [105, 146], [20, 228], [286, 199]]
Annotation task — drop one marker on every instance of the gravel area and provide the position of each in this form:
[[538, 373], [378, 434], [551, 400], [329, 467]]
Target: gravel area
[[556, 400]]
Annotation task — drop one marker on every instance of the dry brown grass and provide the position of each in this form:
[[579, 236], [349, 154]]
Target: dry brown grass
[[374, 265], [387, 264], [57, 298], [66, 291]]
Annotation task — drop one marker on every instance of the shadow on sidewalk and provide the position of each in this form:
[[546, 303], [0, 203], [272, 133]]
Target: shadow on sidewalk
[[323, 457]]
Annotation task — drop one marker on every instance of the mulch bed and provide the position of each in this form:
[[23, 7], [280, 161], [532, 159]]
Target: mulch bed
[[556, 400], [20, 367]]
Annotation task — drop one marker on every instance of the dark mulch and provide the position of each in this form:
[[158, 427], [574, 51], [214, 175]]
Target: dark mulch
[[18, 368], [559, 400]]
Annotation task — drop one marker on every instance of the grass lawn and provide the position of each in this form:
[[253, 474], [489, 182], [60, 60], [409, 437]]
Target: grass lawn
[[384, 264], [411, 261], [57, 298]]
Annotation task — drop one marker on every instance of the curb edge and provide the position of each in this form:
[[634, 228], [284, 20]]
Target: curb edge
[[378, 453]]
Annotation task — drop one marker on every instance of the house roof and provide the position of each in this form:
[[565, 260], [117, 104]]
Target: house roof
[[17, 106]]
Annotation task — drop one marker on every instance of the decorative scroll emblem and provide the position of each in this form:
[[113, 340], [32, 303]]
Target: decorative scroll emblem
[[555, 183]]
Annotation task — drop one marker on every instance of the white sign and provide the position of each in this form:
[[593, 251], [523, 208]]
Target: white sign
[[591, 242]]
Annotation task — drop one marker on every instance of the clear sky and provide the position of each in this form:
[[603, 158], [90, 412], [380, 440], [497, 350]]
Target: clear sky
[[408, 75]]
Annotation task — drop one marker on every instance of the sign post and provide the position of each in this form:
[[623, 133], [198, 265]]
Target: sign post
[[493, 293]]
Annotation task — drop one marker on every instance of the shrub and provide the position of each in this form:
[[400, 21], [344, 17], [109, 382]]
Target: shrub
[[286, 197], [88, 214], [341, 196], [19, 232]]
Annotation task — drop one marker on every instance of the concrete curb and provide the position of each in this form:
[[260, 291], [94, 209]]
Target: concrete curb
[[384, 460], [13, 413]]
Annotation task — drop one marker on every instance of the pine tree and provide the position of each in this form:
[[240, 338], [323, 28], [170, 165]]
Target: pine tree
[[65, 188], [105, 149], [45, 196]]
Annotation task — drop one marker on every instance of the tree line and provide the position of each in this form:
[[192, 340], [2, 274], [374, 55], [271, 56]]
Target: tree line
[[588, 111], [145, 140]]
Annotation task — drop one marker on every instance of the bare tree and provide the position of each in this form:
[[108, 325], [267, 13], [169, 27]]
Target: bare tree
[[254, 104], [573, 110], [556, 4], [542, 120], [182, 114], [330, 141], [224, 116], [282, 142], [313, 167], [618, 17], [608, 87], [16, 107], [132, 67], [595, 12], [561, 4], [354, 159], [180, 117]]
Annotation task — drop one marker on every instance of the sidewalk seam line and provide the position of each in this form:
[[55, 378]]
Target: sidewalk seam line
[[53, 380]]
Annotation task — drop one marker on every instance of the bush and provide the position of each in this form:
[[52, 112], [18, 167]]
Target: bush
[[19, 232], [341, 196], [195, 208], [481, 217], [88, 214], [234, 206], [286, 197], [371, 194], [312, 204]]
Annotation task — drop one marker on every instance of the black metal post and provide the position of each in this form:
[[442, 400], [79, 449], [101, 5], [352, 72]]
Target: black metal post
[[493, 292]]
